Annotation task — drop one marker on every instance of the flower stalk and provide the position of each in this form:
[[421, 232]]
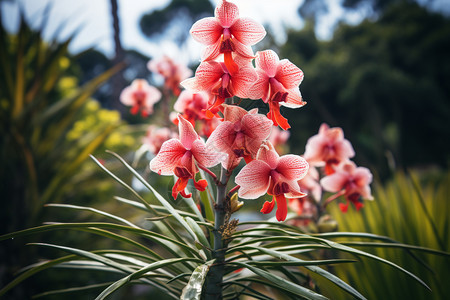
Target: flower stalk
[[216, 272]]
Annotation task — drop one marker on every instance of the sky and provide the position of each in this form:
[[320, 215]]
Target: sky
[[93, 21]]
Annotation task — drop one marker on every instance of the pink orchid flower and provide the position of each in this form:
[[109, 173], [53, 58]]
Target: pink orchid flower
[[156, 136], [351, 181], [140, 96], [181, 157], [328, 148], [227, 33], [214, 77], [192, 105], [239, 135], [277, 84], [274, 175], [172, 72]]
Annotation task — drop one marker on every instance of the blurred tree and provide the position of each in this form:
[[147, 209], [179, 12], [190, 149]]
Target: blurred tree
[[40, 103], [384, 82], [119, 57], [177, 14], [313, 9]]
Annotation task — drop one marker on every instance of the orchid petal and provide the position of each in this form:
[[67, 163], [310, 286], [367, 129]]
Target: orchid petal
[[267, 61], [187, 132], [211, 52], [334, 182], [293, 167], [204, 156], [208, 75], [253, 179], [234, 113], [268, 207], [281, 207], [206, 31], [191, 84], [260, 87], [243, 80], [226, 13], [256, 126], [288, 74], [294, 99], [168, 157], [243, 50], [294, 189], [247, 31], [268, 154]]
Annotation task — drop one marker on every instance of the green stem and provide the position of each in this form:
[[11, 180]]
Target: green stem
[[215, 274]]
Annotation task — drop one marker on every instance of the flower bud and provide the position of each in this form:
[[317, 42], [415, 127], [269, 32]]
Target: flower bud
[[235, 204]]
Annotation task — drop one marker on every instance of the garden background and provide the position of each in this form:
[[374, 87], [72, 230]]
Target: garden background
[[383, 80]]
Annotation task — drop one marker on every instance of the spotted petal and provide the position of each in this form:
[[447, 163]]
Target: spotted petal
[[267, 61], [268, 154], [205, 156], [293, 167], [254, 179], [243, 80], [288, 74], [206, 31], [294, 99], [260, 88], [168, 157], [233, 113], [226, 13], [247, 31], [187, 132]]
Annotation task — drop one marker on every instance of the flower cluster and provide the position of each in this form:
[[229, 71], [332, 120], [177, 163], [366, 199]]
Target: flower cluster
[[207, 108], [332, 152]]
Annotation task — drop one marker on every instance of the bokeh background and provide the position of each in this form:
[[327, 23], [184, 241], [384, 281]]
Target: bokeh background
[[379, 69]]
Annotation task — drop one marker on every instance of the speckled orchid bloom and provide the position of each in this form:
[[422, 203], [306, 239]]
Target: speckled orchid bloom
[[277, 84], [192, 105], [179, 157], [172, 72], [226, 33], [239, 135], [349, 181], [215, 78], [140, 96], [274, 175], [328, 148]]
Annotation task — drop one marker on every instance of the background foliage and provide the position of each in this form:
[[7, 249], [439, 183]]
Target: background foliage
[[383, 81]]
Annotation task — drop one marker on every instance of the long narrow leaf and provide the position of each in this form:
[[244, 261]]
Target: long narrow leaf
[[193, 289], [282, 283], [336, 280], [160, 198], [116, 285]]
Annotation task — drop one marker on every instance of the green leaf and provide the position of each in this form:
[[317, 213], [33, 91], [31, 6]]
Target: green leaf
[[72, 290], [157, 208], [362, 253], [156, 265], [160, 198], [160, 239], [97, 211], [193, 289], [336, 280], [282, 283]]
